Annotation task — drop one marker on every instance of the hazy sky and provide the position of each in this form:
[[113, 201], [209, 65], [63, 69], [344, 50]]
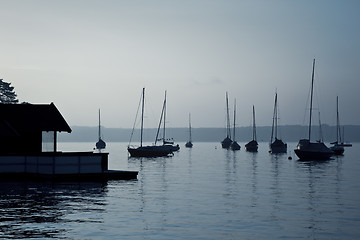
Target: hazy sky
[[86, 55]]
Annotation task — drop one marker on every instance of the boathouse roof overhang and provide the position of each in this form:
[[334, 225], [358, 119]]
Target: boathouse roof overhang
[[20, 118]]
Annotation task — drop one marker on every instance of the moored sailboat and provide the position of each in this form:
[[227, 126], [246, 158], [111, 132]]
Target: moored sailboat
[[343, 143], [100, 144], [189, 143], [252, 146], [338, 147], [226, 143], [147, 151], [276, 146], [307, 150], [234, 145], [167, 143]]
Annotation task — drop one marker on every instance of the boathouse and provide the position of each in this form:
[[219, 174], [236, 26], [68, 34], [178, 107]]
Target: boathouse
[[22, 129]]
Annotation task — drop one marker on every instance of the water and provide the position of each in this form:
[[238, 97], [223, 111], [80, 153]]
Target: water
[[200, 193]]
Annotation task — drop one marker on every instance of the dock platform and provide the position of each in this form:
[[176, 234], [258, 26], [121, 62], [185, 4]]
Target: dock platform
[[60, 166]]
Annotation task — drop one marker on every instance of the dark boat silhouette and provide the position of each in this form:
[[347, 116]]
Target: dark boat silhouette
[[100, 144], [234, 145], [338, 149], [147, 151], [307, 150], [226, 143], [252, 146], [276, 144], [189, 143], [168, 143]]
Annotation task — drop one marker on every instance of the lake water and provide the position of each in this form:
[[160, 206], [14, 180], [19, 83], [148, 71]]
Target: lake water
[[201, 193]]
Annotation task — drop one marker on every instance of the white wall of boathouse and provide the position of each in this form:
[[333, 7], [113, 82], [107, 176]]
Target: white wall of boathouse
[[56, 164]]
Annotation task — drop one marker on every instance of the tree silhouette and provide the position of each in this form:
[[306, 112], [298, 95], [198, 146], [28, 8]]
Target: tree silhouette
[[7, 93]]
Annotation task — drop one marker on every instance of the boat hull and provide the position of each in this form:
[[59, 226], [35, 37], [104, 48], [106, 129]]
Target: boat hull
[[100, 144], [252, 146], [226, 143], [189, 144], [345, 144], [278, 149], [171, 148], [252, 149], [278, 146], [337, 149], [150, 151], [309, 155], [307, 150], [235, 146]]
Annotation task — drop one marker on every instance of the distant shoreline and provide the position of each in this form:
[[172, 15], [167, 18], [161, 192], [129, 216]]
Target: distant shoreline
[[289, 133]]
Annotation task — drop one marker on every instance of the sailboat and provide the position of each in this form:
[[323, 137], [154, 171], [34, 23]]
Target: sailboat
[[226, 143], [338, 147], [252, 146], [278, 146], [167, 143], [189, 144], [307, 150], [100, 144], [147, 151], [234, 145], [343, 143]]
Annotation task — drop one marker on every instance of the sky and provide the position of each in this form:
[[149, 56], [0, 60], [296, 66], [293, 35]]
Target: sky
[[87, 55]]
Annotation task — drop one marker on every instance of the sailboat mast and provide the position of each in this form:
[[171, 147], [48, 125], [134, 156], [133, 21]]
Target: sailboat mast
[[164, 118], [142, 117], [276, 116], [190, 126], [273, 122], [234, 119], [338, 130], [311, 97], [162, 115], [254, 127], [99, 125], [227, 117]]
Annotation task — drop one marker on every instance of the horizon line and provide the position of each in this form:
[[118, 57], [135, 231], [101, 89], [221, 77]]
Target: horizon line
[[325, 124]]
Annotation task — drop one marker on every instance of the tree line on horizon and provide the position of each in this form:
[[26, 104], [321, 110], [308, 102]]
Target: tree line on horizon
[[289, 133]]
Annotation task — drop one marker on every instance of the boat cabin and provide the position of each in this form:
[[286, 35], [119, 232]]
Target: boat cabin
[[22, 127]]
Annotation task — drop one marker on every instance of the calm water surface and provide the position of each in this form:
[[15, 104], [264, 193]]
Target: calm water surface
[[200, 193]]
